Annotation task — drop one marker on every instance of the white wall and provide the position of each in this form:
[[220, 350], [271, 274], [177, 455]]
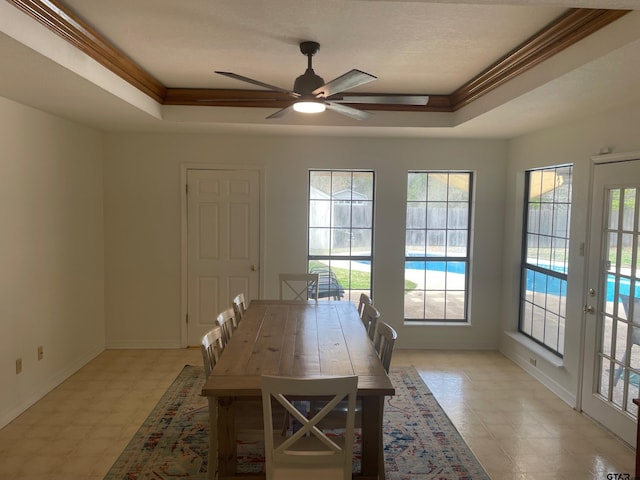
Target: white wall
[[51, 252], [142, 224], [575, 143]]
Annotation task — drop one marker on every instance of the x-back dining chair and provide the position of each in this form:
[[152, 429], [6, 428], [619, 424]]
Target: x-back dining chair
[[298, 286], [239, 306], [227, 321], [308, 453], [384, 339], [370, 316], [211, 347]]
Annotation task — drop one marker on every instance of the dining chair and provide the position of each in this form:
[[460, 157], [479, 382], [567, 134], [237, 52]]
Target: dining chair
[[370, 316], [211, 348], [308, 453], [384, 339], [239, 306], [635, 331], [227, 321], [364, 300], [328, 284], [299, 286]]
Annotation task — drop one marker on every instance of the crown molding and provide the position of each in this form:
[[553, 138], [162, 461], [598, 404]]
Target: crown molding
[[574, 25], [568, 29], [60, 20]]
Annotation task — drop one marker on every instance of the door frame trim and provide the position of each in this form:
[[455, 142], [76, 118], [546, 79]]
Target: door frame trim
[[599, 159], [184, 259]]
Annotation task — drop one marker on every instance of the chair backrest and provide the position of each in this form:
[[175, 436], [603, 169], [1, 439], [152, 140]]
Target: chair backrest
[[227, 321], [364, 300], [309, 452], [239, 306], [211, 347], [384, 339], [624, 299], [299, 286], [370, 316], [328, 284]]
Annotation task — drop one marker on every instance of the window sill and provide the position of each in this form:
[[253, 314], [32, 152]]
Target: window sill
[[419, 323], [536, 349]]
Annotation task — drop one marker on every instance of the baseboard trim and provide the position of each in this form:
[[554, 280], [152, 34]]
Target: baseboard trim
[[144, 345], [50, 384], [547, 381]]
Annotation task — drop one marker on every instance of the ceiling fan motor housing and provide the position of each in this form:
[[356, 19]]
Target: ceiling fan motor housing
[[307, 82]]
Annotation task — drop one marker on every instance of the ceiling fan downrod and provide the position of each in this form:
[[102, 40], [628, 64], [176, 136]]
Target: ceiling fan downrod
[[306, 83]]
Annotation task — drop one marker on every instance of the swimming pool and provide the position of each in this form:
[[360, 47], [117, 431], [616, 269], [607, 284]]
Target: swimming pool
[[539, 282], [449, 267]]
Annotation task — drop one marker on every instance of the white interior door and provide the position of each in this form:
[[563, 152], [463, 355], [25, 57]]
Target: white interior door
[[612, 334], [223, 244]]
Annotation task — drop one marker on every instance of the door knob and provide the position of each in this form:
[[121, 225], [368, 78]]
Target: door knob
[[253, 268], [588, 309]]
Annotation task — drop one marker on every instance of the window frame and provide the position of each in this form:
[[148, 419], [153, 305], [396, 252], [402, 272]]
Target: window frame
[[466, 258], [351, 202], [536, 269]]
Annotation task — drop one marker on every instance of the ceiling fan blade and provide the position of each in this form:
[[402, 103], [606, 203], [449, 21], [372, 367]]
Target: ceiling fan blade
[[420, 100], [281, 113], [257, 82], [349, 111], [351, 79]]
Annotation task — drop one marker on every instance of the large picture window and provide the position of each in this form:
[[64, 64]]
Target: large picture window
[[437, 246], [341, 232], [545, 254]]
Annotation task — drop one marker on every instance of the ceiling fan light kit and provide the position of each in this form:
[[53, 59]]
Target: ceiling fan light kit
[[309, 106], [311, 94]]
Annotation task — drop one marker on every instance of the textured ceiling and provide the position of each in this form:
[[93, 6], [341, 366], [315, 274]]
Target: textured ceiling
[[420, 47], [411, 47]]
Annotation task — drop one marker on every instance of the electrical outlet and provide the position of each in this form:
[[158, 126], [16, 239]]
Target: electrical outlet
[[532, 361], [18, 366], [40, 352]]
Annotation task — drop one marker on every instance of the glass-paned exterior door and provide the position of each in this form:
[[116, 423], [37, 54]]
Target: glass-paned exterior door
[[612, 300], [619, 356]]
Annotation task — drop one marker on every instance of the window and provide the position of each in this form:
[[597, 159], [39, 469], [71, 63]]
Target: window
[[437, 246], [341, 232], [545, 253]]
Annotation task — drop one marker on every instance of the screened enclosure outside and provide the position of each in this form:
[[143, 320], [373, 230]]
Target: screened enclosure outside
[[547, 215], [341, 232], [437, 252]]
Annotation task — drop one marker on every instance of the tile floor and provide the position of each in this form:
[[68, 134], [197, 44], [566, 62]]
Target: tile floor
[[517, 428]]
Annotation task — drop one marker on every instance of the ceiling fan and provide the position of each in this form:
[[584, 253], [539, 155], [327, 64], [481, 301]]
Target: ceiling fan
[[311, 94]]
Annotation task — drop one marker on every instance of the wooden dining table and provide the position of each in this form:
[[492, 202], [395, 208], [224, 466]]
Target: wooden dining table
[[297, 339]]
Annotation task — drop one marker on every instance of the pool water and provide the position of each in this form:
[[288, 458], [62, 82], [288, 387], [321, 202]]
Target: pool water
[[539, 282]]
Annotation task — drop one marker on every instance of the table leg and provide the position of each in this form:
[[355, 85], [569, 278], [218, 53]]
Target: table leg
[[226, 429], [372, 448], [213, 438]]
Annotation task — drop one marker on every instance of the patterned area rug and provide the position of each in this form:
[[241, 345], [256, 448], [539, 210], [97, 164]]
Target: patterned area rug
[[420, 440]]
